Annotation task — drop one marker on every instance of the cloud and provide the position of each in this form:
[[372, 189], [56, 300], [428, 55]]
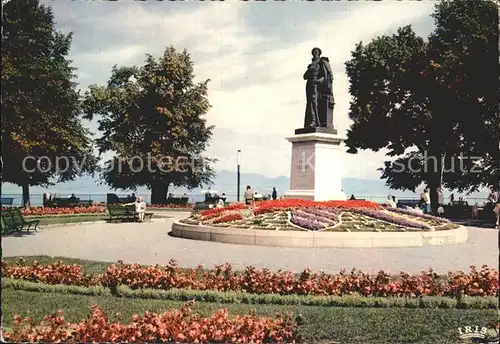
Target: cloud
[[254, 54]]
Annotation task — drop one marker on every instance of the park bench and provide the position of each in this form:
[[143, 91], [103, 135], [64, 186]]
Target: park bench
[[177, 200], [120, 212], [407, 203], [7, 201], [112, 198], [7, 224], [14, 221]]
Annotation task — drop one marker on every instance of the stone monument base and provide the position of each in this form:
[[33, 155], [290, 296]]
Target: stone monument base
[[316, 167]]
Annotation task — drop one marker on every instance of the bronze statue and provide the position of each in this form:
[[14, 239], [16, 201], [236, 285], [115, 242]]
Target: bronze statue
[[319, 92]]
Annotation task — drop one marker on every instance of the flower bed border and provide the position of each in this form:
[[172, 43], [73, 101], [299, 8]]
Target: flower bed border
[[323, 239]]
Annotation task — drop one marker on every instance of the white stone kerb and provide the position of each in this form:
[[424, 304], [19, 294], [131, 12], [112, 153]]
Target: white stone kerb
[[317, 137]]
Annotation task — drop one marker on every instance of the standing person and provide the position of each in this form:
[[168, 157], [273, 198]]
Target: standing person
[[425, 199], [352, 198], [493, 196], [440, 197], [275, 194], [440, 200], [248, 195], [496, 210]]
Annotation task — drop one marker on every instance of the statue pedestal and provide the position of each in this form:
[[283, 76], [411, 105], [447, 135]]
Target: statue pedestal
[[315, 171]]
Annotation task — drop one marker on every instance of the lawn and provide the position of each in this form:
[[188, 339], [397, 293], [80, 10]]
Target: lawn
[[61, 219], [345, 325]]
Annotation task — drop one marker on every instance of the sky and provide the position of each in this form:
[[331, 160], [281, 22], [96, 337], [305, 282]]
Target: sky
[[254, 53]]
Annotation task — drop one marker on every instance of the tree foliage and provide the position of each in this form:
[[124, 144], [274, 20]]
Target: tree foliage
[[40, 103], [154, 114], [431, 101]]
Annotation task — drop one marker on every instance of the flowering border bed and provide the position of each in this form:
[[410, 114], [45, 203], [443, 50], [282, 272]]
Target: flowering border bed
[[177, 325], [94, 209], [46, 211], [483, 282]]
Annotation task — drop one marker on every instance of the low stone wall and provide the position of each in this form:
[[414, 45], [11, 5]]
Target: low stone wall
[[318, 239]]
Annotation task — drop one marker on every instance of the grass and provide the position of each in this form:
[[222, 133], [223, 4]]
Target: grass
[[76, 218], [51, 220], [318, 324], [237, 297]]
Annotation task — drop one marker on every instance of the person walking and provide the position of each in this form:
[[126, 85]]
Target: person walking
[[249, 195], [275, 194]]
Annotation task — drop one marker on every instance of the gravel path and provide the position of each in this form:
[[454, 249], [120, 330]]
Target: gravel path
[[149, 243]]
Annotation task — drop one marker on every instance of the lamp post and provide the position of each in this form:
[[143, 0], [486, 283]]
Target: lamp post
[[238, 175]]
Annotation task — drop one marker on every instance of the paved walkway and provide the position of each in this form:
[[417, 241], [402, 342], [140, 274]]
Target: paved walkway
[[149, 243]]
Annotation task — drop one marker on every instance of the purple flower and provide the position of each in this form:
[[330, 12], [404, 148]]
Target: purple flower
[[397, 220], [307, 224], [313, 217], [331, 214], [423, 216]]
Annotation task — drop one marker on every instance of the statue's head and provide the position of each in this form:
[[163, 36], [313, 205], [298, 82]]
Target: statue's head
[[316, 52]]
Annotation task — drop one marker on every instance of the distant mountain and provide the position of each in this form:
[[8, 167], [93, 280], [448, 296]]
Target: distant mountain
[[225, 181]]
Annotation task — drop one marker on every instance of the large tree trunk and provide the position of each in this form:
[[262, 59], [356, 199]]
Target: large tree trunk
[[26, 194], [159, 193]]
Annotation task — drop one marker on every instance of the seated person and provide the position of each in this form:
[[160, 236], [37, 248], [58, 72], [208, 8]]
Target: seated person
[[416, 209], [390, 202], [140, 207]]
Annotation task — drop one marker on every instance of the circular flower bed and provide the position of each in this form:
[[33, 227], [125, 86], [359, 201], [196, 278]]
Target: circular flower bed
[[341, 216]]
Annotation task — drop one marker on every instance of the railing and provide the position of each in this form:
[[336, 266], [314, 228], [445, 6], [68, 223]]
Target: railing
[[37, 199]]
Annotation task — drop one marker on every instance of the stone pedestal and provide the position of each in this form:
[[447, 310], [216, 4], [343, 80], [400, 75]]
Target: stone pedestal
[[316, 167]]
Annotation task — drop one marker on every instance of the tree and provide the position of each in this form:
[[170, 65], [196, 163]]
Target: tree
[[42, 135], [153, 116], [432, 103]]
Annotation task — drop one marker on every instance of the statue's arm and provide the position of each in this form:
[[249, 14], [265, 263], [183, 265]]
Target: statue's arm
[[306, 75]]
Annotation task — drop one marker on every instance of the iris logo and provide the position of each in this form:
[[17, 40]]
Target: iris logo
[[467, 332], [472, 332]]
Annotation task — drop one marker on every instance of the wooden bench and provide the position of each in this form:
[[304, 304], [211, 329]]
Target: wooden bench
[[120, 212], [14, 221], [7, 201], [407, 203], [177, 200], [68, 203]]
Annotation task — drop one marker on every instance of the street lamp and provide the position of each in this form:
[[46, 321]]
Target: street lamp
[[238, 175]]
